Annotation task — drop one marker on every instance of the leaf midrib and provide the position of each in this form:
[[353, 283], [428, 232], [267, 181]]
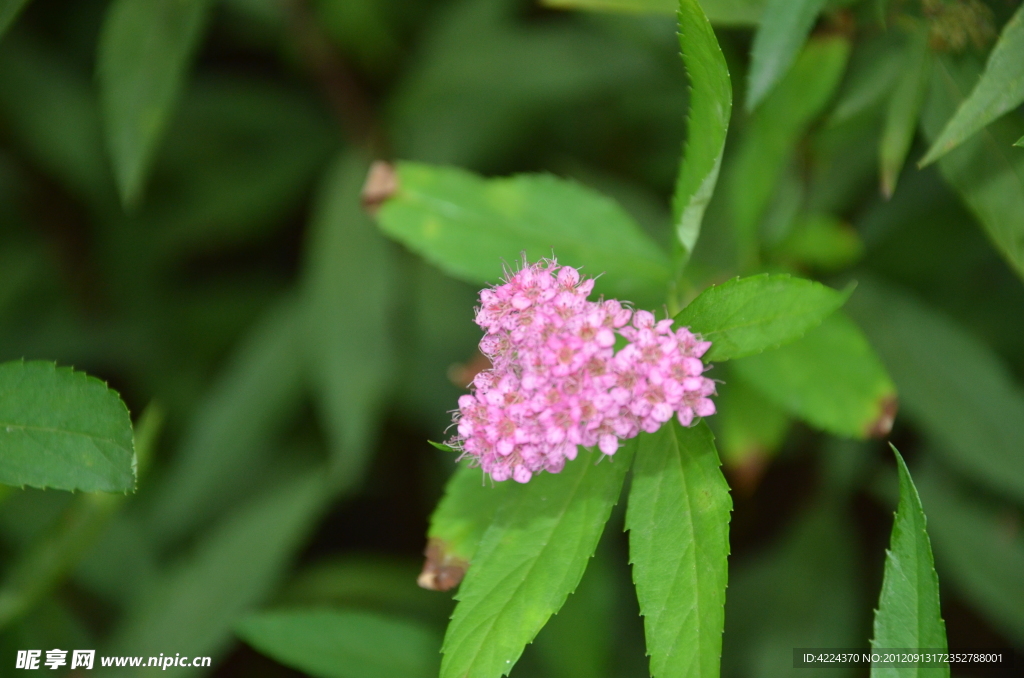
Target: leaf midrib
[[60, 431], [679, 566]]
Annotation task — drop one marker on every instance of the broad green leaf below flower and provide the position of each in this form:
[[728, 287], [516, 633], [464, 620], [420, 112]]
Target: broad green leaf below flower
[[144, 52], [64, 430], [342, 643], [706, 125], [678, 522], [745, 316], [908, 613], [830, 378], [474, 228], [529, 560], [783, 30], [1000, 90]]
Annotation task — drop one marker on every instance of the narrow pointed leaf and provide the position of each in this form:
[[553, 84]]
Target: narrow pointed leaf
[[530, 559], [194, 605], [347, 315], [987, 174], [770, 139], [457, 526], [144, 52], [255, 396], [784, 28], [64, 430], [830, 378], [904, 108], [678, 522], [1000, 90], [473, 227], [707, 124], [908, 613], [745, 316], [328, 643], [1019, 143]]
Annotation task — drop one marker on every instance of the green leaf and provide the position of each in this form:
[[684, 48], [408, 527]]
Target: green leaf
[[529, 560], [195, 603], [236, 424], [771, 137], [726, 12], [473, 228], [485, 79], [678, 522], [9, 11], [1019, 143], [51, 111], [43, 565], [978, 551], [953, 386], [904, 108], [63, 429], [1000, 90], [442, 447], [909, 614], [745, 316], [707, 124], [830, 378], [144, 50], [239, 156], [347, 310], [986, 173], [783, 30], [875, 65], [457, 526], [820, 241], [747, 426], [343, 643]]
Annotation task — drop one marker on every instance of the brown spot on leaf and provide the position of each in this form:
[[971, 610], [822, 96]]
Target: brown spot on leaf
[[881, 426], [381, 184], [441, 570]]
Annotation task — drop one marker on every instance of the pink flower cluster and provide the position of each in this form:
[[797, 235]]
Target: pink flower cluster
[[558, 382]]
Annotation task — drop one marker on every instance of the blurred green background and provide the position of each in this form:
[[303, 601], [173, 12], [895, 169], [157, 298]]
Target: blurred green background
[[299, 361]]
